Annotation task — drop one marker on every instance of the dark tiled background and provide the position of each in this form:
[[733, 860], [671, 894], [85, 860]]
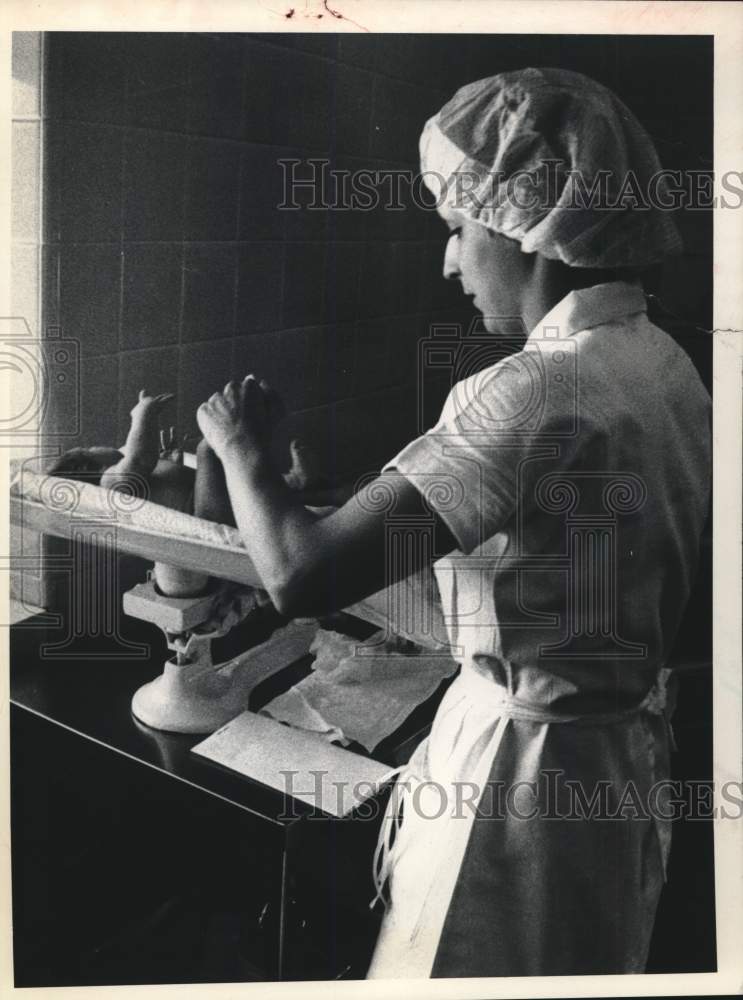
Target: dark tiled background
[[167, 258]]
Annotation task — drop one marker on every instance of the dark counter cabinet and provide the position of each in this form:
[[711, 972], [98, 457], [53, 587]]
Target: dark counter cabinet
[[134, 861]]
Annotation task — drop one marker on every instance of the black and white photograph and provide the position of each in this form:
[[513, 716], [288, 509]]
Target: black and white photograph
[[372, 614]]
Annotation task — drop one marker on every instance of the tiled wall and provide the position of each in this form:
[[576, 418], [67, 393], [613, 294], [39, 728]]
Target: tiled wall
[[167, 257]]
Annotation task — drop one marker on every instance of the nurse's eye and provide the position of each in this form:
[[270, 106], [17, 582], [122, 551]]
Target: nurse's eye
[[455, 232]]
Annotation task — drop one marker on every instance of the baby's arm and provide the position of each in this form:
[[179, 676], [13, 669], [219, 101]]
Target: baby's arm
[[142, 448]]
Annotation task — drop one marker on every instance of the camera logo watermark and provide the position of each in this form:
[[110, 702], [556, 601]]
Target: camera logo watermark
[[41, 380], [42, 415], [504, 451]]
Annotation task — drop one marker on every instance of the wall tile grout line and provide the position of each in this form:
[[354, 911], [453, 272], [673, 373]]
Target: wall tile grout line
[[122, 259], [42, 168], [246, 243], [350, 64], [308, 150], [238, 218]]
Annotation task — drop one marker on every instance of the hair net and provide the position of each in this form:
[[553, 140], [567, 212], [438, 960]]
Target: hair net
[[556, 161]]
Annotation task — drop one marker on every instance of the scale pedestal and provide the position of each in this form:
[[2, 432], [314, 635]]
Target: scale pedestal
[[193, 694]]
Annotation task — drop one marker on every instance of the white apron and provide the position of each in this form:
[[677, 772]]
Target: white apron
[[439, 790]]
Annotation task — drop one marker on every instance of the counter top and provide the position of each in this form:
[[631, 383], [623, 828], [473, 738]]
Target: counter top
[[87, 687], [86, 684]]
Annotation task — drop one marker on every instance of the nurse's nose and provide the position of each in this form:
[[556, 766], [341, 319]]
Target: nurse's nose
[[451, 257]]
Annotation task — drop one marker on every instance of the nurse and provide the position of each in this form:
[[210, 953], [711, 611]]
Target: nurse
[[569, 482]]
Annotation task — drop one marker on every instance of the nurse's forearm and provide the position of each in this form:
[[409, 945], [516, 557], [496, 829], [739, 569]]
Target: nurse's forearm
[[280, 534]]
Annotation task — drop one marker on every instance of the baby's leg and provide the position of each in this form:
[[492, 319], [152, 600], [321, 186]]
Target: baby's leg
[[175, 581], [211, 501], [211, 498]]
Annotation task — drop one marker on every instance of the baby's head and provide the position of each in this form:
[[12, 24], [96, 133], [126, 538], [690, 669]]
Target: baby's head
[[86, 465]]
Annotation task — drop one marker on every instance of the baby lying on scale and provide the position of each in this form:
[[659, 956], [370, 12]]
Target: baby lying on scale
[[152, 467]]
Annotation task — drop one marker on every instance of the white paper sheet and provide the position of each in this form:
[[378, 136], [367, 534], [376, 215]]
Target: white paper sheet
[[362, 690], [293, 761]]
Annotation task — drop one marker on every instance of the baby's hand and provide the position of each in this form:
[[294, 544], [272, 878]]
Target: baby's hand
[[147, 407], [169, 447]]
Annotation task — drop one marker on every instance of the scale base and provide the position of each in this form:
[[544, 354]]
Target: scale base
[[192, 701]]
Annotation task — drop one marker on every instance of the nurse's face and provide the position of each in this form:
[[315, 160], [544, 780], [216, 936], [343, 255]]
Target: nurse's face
[[490, 268]]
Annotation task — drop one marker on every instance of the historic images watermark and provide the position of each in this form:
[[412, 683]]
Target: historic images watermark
[[552, 796], [312, 184]]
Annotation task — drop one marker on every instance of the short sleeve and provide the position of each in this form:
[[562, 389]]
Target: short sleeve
[[453, 482], [468, 467]]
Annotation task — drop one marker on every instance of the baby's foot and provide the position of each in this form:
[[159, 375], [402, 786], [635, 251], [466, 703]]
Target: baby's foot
[[303, 473]]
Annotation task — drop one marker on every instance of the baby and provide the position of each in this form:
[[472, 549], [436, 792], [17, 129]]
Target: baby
[[152, 466]]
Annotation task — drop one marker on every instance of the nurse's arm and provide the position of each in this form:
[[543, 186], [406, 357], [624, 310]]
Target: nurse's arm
[[312, 565]]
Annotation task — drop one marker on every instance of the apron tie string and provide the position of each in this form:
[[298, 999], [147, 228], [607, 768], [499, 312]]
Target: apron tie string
[[383, 857]]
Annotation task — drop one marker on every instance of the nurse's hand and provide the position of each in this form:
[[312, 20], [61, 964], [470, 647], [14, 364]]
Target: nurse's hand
[[242, 416]]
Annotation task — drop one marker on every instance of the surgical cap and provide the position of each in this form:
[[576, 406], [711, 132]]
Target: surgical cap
[[556, 161]]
